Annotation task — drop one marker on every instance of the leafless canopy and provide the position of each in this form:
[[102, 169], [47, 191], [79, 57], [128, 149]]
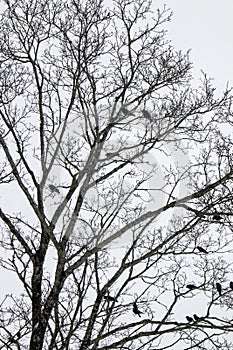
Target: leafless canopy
[[116, 183]]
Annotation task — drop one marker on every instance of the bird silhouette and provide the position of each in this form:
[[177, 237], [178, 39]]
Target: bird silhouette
[[202, 250], [191, 286], [135, 309], [231, 285], [146, 114], [196, 318], [189, 319], [125, 111], [219, 288], [217, 217], [109, 298], [54, 189]]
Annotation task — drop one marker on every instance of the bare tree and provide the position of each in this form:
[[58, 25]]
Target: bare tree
[[116, 179]]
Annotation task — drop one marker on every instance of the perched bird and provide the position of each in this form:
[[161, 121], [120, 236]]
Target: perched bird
[[191, 286], [196, 318], [202, 250], [189, 319], [219, 288], [146, 114], [217, 217], [231, 285], [125, 111], [109, 298], [135, 309], [199, 214], [54, 189]]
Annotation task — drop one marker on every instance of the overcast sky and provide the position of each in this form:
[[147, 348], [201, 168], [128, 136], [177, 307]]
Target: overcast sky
[[205, 27]]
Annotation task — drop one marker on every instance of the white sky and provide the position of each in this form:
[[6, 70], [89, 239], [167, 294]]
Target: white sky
[[205, 27]]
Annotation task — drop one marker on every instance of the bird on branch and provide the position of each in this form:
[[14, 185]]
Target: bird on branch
[[196, 318], [191, 286], [202, 250], [109, 298], [135, 309], [217, 217], [54, 189], [146, 114], [219, 288], [189, 319], [125, 111]]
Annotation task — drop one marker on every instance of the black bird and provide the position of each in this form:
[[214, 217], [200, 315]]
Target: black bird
[[109, 298], [202, 250], [219, 288], [191, 286], [54, 189], [125, 111], [135, 309], [11, 340], [231, 285], [196, 318], [146, 114], [189, 319], [217, 217]]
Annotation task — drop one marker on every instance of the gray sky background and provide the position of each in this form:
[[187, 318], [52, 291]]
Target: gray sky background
[[205, 27]]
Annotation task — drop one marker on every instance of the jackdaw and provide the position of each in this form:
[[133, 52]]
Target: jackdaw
[[191, 286], [189, 319], [202, 250], [135, 309], [219, 288], [217, 217], [54, 189]]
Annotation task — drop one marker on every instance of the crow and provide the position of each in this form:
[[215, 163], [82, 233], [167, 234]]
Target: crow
[[191, 286], [231, 285], [125, 111], [54, 189], [217, 217], [196, 318], [202, 250], [189, 319], [135, 309], [109, 298], [146, 114], [219, 288]]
